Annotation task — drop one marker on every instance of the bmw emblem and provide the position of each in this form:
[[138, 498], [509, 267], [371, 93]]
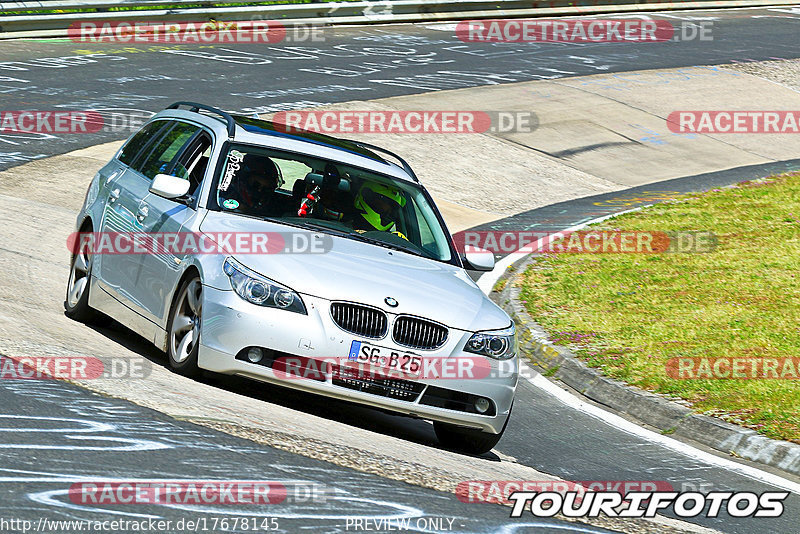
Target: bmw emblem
[[390, 302]]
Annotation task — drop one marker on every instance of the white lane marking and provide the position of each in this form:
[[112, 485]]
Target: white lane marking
[[443, 27], [631, 428], [402, 511], [40, 473], [487, 282], [91, 426], [687, 17], [48, 499], [125, 445]]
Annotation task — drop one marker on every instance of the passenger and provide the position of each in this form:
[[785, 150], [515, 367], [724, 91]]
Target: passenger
[[261, 177]]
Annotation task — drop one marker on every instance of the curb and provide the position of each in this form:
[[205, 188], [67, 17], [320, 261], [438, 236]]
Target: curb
[[668, 416]]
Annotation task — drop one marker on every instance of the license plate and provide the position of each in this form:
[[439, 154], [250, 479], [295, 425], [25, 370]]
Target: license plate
[[395, 361]]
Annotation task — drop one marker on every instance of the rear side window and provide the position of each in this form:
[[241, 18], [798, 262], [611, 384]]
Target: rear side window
[[139, 141], [163, 152]]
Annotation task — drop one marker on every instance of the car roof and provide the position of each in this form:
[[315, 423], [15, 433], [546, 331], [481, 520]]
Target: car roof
[[265, 133]]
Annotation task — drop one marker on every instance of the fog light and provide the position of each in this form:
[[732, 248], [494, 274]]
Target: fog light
[[482, 405], [255, 354]]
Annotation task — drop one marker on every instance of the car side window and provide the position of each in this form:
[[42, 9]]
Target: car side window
[[291, 171], [163, 153], [193, 161], [139, 141]]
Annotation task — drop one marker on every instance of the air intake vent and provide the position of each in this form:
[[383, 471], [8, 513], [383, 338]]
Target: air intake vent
[[359, 320], [418, 333], [394, 389]]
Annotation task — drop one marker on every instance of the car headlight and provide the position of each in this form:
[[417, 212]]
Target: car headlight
[[497, 344], [260, 290]]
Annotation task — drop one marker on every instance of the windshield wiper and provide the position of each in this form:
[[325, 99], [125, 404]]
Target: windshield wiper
[[351, 234], [392, 246], [311, 226], [303, 225], [308, 225]]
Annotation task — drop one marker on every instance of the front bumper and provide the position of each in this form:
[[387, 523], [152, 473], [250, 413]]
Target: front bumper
[[231, 324]]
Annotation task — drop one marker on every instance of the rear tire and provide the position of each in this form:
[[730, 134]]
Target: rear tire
[[183, 329], [76, 303]]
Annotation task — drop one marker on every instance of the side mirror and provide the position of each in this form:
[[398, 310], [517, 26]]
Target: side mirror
[[167, 186], [478, 259]]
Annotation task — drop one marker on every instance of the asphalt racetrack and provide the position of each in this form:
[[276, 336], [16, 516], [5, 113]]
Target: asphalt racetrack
[[56, 434]]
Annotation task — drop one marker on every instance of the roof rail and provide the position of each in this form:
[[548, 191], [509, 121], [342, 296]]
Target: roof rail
[[195, 107], [404, 163]]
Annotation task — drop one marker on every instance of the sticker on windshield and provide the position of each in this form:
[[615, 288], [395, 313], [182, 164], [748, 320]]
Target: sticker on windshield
[[234, 159], [230, 204]]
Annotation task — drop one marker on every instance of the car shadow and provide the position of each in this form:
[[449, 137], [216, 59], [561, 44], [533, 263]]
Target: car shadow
[[349, 413]]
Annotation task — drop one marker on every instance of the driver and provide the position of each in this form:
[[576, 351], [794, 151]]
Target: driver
[[378, 208]]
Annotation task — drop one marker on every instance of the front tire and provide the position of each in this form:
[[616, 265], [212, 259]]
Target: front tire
[[76, 303], [469, 440], [183, 329]]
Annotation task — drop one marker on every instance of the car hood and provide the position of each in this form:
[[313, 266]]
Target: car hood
[[361, 272]]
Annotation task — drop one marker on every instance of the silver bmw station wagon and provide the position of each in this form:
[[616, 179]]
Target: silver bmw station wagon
[[240, 247]]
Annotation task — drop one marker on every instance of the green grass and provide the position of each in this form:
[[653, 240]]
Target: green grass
[[627, 314], [500, 285], [552, 371]]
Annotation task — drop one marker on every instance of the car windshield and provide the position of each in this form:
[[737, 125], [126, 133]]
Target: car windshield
[[310, 192]]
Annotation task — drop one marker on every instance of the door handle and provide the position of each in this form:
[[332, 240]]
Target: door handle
[[142, 213], [113, 196]]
